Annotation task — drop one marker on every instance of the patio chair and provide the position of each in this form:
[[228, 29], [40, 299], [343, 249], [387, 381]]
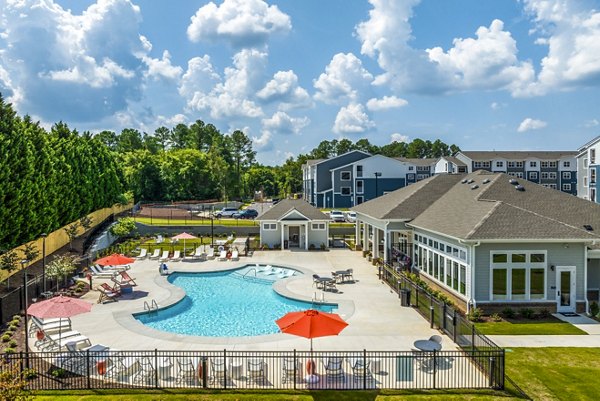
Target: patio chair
[[186, 372], [146, 374], [424, 360], [338, 278], [159, 239], [48, 325], [156, 254], [291, 370], [199, 254], [120, 366], [101, 273], [164, 257], [286, 273], [218, 372], [143, 254], [360, 369], [256, 370], [123, 278], [349, 274], [107, 295], [334, 370], [176, 256], [115, 288], [317, 281], [274, 271], [235, 255], [330, 284], [210, 254], [222, 256]]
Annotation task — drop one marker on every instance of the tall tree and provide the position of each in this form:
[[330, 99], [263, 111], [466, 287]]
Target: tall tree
[[129, 140], [243, 156], [164, 137]]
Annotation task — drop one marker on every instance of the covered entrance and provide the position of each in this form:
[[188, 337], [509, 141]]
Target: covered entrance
[[565, 289], [294, 236]]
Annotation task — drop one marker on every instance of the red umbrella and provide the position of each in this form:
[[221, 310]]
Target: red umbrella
[[116, 259], [59, 307], [184, 236]]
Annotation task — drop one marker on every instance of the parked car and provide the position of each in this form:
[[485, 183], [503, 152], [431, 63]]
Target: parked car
[[226, 212], [351, 217], [337, 216], [246, 214]]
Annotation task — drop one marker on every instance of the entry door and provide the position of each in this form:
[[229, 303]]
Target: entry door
[[565, 288], [294, 236]]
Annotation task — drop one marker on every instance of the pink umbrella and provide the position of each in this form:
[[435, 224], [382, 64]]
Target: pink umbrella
[[184, 236], [59, 307], [116, 259]]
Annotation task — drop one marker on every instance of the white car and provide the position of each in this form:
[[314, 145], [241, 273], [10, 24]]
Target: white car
[[226, 212], [337, 216], [351, 217]]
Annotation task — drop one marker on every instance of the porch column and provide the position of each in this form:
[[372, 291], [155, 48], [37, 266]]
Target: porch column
[[366, 236], [375, 242], [357, 233], [306, 225], [282, 235], [385, 245]]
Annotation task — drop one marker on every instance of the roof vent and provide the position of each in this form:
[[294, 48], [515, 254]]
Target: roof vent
[[520, 188], [464, 181], [512, 181], [474, 186], [470, 181], [588, 227], [486, 181]]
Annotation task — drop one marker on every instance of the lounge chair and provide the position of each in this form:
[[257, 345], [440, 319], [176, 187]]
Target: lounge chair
[[235, 255], [101, 273], [222, 255], [218, 372], [121, 366], [164, 257], [287, 273], [211, 253], [56, 342], [123, 278], [113, 269], [256, 370], [275, 270], [199, 254], [143, 254], [107, 295], [176, 256], [76, 359], [262, 269], [291, 370], [186, 372], [146, 374], [156, 254], [361, 370], [48, 326], [334, 368]]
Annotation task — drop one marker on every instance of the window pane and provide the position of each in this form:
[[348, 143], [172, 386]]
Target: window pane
[[499, 284], [538, 258], [499, 258], [435, 266], [455, 275], [518, 283], [448, 273], [518, 258], [463, 278], [536, 280]]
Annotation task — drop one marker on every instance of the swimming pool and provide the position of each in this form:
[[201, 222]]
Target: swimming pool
[[225, 304]]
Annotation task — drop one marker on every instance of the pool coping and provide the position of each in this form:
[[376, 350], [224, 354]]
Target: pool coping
[[126, 318]]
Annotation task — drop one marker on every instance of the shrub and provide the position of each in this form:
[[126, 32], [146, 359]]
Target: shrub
[[13, 327], [323, 246], [474, 314], [29, 374], [58, 373], [16, 317], [80, 284], [15, 323], [6, 338], [508, 312], [594, 309], [312, 247], [9, 350], [496, 317], [265, 246], [12, 343], [527, 313], [544, 314]]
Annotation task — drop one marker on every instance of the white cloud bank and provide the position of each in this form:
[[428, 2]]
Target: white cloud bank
[[530, 124], [352, 119], [344, 79], [385, 103]]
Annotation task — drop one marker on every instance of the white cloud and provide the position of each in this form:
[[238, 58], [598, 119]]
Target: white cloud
[[242, 23], [344, 79], [497, 105], [529, 124], [591, 123], [387, 102], [396, 137], [199, 78], [352, 119], [162, 68], [284, 89], [263, 142], [282, 123]]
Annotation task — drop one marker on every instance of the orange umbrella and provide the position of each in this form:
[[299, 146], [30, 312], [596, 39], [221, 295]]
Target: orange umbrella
[[311, 324], [116, 259]]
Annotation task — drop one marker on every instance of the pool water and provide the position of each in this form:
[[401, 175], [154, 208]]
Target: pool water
[[225, 304]]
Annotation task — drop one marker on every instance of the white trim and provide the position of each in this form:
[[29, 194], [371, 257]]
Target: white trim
[[573, 293], [362, 191], [509, 266], [271, 225]]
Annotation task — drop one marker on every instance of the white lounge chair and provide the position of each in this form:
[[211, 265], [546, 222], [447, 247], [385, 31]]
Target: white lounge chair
[[199, 254], [47, 327], [287, 273], [159, 239], [211, 253], [222, 255], [235, 255], [156, 254], [275, 270], [56, 342], [143, 254], [165, 256], [101, 273], [263, 269], [113, 268], [176, 256]]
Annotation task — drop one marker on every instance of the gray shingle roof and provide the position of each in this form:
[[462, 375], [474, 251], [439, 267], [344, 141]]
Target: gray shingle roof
[[279, 210], [454, 160], [311, 162], [484, 155], [418, 162]]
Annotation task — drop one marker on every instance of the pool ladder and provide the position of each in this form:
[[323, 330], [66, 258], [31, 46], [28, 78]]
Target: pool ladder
[[316, 299], [248, 272], [150, 306]]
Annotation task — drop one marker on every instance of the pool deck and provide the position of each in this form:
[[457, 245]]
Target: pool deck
[[376, 321]]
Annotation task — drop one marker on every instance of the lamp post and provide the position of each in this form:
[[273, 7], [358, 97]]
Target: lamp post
[[24, 271], [212, 231], [44, 235], [377, 175]]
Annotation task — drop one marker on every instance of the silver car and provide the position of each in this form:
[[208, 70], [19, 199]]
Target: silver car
[[351, 217], [337, 216]]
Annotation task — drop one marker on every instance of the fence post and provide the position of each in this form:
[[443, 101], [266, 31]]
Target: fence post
[[364, 369], [204, 372], [431, 312], [492, 372], [295, 369], [454, 324], [473, 337], [156, 367], [434, 367], [87, 369], [225, 368]]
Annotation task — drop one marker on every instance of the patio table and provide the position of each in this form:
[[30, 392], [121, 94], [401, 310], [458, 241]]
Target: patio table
[[427, 345], [344, 274]]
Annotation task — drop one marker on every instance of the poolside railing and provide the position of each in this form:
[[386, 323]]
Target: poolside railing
[[348, 370]]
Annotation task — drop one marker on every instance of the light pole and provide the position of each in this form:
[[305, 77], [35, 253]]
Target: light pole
[[377, 175], [24, 271], [44, 235], [212, 231]]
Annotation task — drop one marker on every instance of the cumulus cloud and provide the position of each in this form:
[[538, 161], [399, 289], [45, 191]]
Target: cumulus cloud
[[344, 79], [282, 123], [352, 119], [284, 88], [529, 124], [396, 137], [263, 142], [162, 68], [497, 105], [591, 123], [90, 65], [387, 102], [241, 23]]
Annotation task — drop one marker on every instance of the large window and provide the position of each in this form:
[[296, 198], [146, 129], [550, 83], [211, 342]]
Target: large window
[[318, 226], [345, 175], [359, 170], [270, 226], [360, 186], [518, 275], [345, 190]]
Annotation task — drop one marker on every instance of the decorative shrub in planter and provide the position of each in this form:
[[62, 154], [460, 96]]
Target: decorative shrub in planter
[[323, 246], [312, 247]]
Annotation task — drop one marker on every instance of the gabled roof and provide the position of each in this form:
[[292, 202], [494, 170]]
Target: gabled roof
[[587, 145], [312, 162], [408, 202], [276, 212], [393, 159], [485, 155], [418, 162], [454, 160], [497, 210]]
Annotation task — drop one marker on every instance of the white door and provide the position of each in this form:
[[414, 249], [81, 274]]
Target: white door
[[565, 289]]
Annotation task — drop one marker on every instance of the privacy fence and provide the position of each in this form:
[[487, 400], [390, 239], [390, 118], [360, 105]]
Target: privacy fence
[[353, 370]]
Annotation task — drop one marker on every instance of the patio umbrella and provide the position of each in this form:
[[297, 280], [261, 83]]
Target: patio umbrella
[[59, 307], [311, 324], [184, 236], [116, 259]]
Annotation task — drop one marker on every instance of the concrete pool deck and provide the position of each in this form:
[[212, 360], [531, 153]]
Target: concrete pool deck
[[376, 320]]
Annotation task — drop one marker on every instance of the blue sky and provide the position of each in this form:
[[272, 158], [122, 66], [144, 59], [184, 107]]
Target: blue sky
[[502, 74]]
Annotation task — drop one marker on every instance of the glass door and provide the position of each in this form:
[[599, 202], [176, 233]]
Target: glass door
[[565, 287]]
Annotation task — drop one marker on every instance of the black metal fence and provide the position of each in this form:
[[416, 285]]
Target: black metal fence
[[447, 319], [261, 370], [13, 303]]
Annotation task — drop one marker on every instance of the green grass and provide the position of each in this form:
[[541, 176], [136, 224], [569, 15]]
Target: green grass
[[196, 222], [528, 328]]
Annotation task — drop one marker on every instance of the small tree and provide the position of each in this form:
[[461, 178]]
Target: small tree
[[123, 227], [12, 382], [8, 262], [72, 233], [86, 222], [61, 267], [30, 252]]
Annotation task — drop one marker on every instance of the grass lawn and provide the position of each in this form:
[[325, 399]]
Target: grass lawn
[[525, 327], [196, 222]]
